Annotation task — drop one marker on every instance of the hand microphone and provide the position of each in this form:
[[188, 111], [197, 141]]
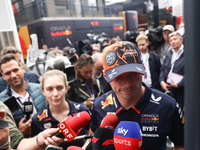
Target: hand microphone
[[71, 126], [27, 109], [80, 137], [74, 148], [103, 139], [128, 136], [109, 121]]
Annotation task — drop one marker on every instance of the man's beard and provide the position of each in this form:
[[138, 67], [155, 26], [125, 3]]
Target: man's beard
[[18, 84]]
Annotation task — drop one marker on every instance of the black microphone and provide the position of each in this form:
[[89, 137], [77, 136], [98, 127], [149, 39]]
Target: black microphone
[[80, 137], [27, 109], [103, 139]]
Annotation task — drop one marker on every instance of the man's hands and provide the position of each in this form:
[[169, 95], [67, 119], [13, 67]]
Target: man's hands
[[25, 128], [166, 86], [45, 137], [4, 133], [173, 84]]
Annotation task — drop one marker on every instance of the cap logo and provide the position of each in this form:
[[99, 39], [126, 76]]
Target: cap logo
[[110, 58], [112, 73], [139, 69]]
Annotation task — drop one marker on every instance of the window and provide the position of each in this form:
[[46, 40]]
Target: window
[[61, 4]]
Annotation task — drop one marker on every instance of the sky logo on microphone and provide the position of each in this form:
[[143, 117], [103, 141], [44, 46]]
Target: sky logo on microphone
[[122, 131], [127, 136]]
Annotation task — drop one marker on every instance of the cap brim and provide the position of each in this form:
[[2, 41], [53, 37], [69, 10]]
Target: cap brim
[[116, 71]]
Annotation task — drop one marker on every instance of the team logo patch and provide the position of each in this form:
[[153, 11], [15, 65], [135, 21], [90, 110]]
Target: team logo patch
[[43, 115], [47, 125], [110, 58], [108, 101]]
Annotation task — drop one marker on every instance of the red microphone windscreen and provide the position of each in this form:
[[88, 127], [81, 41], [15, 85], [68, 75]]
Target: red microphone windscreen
[[109, 121], [74, 148], [80, 120]]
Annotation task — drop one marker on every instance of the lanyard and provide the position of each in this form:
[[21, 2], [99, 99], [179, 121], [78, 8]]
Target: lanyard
[[21, 101], [91, 92]]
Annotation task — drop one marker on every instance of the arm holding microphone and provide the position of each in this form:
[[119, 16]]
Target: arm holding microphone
[[25, 127], [4, 132], [41, 140], [25, 123]]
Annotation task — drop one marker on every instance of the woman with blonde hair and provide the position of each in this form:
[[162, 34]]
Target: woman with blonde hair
[[54, 87]]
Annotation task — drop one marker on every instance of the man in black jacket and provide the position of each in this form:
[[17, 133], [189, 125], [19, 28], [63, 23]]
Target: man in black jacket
[[172, 70], [151, 63]]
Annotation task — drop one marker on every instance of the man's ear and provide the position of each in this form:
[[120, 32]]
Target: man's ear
[[148, 43], [104, 74]]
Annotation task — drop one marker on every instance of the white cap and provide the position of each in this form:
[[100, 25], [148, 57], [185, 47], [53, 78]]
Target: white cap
[[168, 27]]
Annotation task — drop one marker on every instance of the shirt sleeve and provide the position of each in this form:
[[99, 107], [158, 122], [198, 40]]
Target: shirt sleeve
[[177, 132], [15, 135], [34, 126], [95, 120]]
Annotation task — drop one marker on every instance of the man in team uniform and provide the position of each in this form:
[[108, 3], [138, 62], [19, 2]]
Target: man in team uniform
[[158, 114]]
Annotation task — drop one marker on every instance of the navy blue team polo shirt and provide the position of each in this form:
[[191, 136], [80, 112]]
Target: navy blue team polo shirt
[[158, 115], [44, 120]]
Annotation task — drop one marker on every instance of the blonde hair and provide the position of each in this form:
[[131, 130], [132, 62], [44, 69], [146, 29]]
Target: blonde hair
[[142, 37], [52, 73]]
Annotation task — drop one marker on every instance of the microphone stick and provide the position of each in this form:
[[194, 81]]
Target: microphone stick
[[81, 137]]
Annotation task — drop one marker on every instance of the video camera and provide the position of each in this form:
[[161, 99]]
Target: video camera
[[101, 38], [131, 36]]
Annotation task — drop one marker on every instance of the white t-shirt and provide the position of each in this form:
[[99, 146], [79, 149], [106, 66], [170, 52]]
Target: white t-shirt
[[21, 99], [146, 78]]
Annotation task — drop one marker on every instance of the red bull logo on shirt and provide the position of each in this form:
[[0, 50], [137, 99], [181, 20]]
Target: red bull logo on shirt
[[109, 101], [43, 115]]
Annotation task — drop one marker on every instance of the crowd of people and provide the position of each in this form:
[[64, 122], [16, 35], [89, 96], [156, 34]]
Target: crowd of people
[[124, 78]]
